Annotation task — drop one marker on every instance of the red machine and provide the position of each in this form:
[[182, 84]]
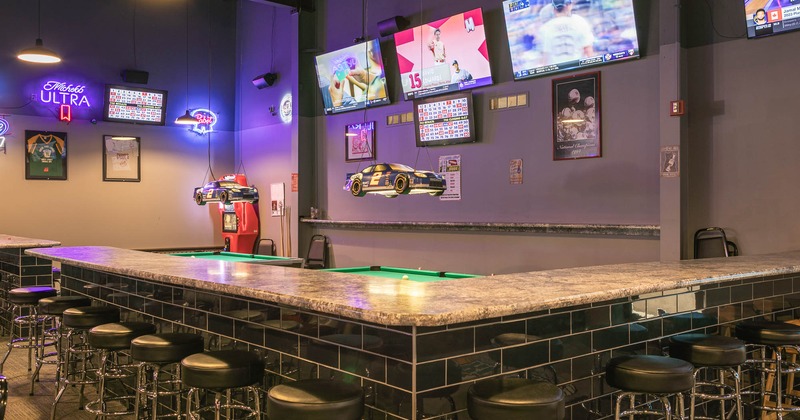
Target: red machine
[[240, 221]]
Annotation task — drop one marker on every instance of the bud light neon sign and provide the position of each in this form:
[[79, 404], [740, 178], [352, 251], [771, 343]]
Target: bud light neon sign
[[206, 120], [58, 92], [4, 126]]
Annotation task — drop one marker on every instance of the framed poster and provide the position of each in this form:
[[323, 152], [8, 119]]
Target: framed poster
[[359, 141], [121, 158], [576, 117], [45, 155]]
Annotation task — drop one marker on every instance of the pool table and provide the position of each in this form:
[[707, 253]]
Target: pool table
[[402, 273], [245, 258]]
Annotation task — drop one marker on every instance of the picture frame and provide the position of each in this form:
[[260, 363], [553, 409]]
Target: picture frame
[[45, 155], [359, 141], [576, 117], [122, 158]]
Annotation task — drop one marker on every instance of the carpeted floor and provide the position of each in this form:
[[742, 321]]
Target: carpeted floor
[[23, 406]]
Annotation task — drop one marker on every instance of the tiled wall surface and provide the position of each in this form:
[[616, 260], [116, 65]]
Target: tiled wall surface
[[18, 270], [569, 346]]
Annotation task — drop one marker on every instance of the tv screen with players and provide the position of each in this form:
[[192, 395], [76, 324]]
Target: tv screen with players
[[352, 78], [444, 56], [551, 36], [135, 105], [444, 120], [766, 18]]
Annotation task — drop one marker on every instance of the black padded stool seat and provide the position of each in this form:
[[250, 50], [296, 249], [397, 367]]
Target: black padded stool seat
[[86, 317], [222, 369], [515, 399], [118, 335], [708, 350], [650, 374], [315, 399], [768, 333], [165, 348], [56, 305], [30, 295]]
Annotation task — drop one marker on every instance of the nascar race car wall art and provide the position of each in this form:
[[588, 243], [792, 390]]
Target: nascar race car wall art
[[225, 191], [393, 179]]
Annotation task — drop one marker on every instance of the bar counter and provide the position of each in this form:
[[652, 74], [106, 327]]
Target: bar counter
[[17, 269], [410, 344]]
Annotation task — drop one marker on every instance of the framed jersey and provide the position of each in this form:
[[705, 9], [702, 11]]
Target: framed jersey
[[45, 155]]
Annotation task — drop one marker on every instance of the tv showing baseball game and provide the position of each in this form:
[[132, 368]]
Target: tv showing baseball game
[[352, 78], [444, 120], [768, 17], [135, 105], [551, 36], [447, 55]]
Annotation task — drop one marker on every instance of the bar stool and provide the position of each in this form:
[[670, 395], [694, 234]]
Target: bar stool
[[54, 307], [26, 299], [515, 399], [218, 372], [109, 339], [776, 337], [77, 322], [715, 353], [156, 352], [649, 375], [315, 399]]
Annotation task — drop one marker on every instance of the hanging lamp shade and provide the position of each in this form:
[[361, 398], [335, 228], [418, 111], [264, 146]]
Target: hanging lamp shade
[[186, 119], [38, 54]]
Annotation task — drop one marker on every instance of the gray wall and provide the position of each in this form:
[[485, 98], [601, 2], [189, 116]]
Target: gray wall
[[621, 187], [95, 39]]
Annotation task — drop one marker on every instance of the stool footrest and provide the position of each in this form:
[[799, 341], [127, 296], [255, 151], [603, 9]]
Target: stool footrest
[[96, 407]]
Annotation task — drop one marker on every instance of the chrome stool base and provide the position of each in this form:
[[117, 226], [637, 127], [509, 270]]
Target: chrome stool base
[[228, 407]]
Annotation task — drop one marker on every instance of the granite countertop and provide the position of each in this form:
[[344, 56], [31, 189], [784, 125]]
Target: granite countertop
[[8, 241], [403, 302]]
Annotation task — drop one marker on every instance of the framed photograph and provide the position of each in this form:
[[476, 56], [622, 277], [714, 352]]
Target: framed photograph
[[576, 117], [121, 158], [45, 155], [359, 141]]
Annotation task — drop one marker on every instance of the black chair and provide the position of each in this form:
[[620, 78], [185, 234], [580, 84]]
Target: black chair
[[712, 243], [317, 256], [265, 247]]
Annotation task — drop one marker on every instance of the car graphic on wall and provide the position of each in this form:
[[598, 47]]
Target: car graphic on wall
[[393, 179]]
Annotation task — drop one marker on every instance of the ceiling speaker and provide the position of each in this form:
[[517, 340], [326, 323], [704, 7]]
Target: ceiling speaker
[[265, 80], [393, 24], [135, 76]]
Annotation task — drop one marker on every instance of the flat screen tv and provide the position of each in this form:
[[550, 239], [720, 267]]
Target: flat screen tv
[[352, 78], [444, 56], [766, 18], [444, 120], [551, 36], [135, 105]]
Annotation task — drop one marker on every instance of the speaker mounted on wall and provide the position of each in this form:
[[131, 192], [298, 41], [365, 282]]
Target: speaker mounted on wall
[[265, 80], [135, 76], [393, 24]]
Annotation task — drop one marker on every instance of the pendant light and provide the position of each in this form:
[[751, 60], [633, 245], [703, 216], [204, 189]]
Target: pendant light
[[186, 119], [38, 53]]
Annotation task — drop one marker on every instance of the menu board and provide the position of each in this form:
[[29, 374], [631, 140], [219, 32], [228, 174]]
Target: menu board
[[444, 120], [135, 105]]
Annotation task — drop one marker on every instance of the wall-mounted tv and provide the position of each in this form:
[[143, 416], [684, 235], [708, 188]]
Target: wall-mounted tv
[[766, 18], [352, 78], [550, 36], [135, 105], [447, 55], [444, 120]]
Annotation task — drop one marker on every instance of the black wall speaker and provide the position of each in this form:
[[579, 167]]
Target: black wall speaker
[[265, 80], [135, 76], [393, 24]]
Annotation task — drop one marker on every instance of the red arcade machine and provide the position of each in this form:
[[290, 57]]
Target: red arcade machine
[[240, 221]]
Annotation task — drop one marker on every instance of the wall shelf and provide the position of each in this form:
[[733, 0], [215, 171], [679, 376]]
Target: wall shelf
[[645, 231]]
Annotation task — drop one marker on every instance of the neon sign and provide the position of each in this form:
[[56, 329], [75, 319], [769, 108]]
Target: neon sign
[[206, 120], [65, 113], [56, 92], [4, 126]]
